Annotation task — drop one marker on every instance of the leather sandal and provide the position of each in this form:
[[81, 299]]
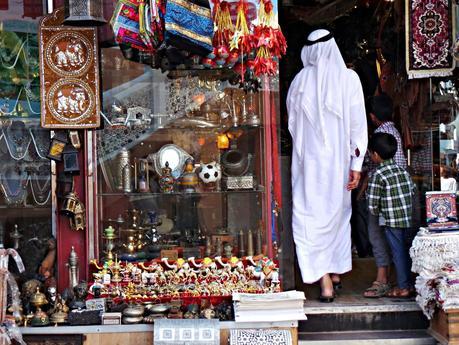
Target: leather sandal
[[399, 293], [376, 290], [327, 299]]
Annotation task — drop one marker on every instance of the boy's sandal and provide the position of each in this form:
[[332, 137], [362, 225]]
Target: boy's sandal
[[400, 293], [376, 290]]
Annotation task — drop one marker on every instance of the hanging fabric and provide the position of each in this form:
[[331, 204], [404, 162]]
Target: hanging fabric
[[429, 38], [139, 23], [189, 26]]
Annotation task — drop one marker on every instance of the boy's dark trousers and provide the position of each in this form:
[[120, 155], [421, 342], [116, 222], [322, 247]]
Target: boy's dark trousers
[[399, 243]]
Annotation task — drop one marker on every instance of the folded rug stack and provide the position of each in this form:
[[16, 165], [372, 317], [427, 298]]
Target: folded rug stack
[[281, 306], [435, 259]]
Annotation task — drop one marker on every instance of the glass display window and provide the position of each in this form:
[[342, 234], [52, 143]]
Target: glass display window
[[181, 164], [26, 220]]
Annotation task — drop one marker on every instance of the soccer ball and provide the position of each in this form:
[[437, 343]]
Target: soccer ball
[[210, 172]]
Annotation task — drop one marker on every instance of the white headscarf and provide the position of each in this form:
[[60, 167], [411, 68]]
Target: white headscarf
[[318, 85]]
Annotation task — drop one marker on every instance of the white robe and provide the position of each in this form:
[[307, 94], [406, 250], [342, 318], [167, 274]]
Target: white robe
[[320, 173]]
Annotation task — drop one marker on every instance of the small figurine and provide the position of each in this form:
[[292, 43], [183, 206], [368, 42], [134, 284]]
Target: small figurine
[[47, 266], [166, 181], [192, 312], [28, 290], [16, 236], [80, 292], [189, 178], [60, 311], [228, 250]]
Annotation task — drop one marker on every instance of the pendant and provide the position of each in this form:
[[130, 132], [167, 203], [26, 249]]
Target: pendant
[[17, 140], [13, 186], [40, 139], [41, 192]]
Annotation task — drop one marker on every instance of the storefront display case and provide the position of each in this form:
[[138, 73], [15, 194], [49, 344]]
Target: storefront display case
[[181, 165], [181, 186]]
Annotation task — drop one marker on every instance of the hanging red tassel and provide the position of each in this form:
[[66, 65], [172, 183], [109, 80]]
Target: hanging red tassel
[[223, 32], [241, 41], [269, 40]]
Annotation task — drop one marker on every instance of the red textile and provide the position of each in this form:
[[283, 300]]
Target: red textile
[[429, 24]]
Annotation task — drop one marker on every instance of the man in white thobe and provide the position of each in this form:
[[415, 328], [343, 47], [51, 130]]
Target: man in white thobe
[[328, 125]]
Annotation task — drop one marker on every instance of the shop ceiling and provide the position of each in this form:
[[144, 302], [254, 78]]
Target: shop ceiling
[[316, 11]]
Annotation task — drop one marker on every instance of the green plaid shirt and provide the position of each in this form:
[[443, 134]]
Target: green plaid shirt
[[389, 194]]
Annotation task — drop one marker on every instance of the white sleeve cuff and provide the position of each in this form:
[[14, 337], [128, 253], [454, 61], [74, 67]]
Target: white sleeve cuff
[[356, 163]]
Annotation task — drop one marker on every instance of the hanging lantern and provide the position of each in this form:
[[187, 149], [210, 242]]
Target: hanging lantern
[[57, 145], [222, 141], [84, 13], [69, 204], [71, 165]]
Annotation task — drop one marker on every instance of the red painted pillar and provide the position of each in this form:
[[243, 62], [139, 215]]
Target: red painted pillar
[[68, 238]]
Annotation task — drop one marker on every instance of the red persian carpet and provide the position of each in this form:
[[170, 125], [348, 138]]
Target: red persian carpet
[[429, 38]]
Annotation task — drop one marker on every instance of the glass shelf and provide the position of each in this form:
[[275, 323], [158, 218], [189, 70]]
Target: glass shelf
[[152, 194], [27, 207]]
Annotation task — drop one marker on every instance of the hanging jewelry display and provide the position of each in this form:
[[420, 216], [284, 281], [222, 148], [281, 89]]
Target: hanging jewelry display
[[40, 185], [17, 140], [13, 183], [40, 140]]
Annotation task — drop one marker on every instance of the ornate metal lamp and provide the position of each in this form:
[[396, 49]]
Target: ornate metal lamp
[[84, 12]]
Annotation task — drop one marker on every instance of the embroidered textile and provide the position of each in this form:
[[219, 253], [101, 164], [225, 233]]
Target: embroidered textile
[[431, 252], [138, 24], [429, 38], [435, 259], [184, 332], [189, 26], [260, 337]]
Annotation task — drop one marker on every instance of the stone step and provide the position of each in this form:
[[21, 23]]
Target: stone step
[[412, 337], [355, 313]]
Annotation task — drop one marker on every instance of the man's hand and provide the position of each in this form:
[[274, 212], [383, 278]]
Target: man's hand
[[354, 178]]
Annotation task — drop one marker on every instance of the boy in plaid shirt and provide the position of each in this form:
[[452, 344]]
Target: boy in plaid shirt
[[389, 195]]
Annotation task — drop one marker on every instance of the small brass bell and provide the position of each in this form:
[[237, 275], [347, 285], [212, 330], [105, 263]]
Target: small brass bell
[[84, 12]]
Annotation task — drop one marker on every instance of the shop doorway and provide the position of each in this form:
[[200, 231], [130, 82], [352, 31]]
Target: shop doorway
[[371, 38]]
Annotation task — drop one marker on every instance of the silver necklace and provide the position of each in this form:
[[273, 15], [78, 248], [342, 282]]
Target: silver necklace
[[41, 145], [17, 140], [14, 187], [40, 192]]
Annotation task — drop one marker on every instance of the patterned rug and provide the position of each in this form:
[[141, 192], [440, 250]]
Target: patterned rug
[[260, 337], [429, 38], [186, 332]]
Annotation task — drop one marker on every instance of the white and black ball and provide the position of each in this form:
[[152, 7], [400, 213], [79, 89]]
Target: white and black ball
[[210, 172]]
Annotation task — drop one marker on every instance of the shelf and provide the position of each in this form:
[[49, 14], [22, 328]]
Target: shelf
[[144, 327], [150, 194], [28, 207]]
